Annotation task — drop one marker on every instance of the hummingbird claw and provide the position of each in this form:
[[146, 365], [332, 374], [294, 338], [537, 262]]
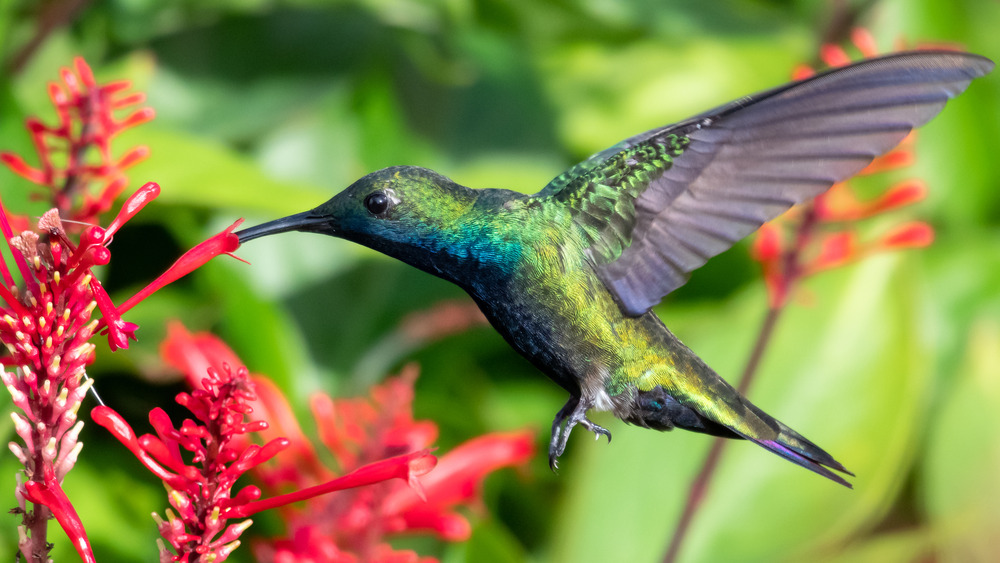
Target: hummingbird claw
[[572, 413], [596, 429]]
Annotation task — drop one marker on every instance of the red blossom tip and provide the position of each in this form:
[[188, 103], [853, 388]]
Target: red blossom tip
[[767, 246], [864, 41], [834, 55], [836, 249], [18, 166], [119, 331], [892, 160], [83, 69], [801, 72], [915, 234], [900, 195], [406, 467], [133, 157], [134, 204], [137, 118]]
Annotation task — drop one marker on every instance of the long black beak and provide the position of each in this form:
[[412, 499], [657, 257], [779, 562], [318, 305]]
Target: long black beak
[[307, 221]]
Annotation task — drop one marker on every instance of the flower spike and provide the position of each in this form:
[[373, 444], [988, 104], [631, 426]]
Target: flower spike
[[46, 321]]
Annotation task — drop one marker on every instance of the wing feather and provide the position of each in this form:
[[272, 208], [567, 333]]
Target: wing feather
[[722, 174]]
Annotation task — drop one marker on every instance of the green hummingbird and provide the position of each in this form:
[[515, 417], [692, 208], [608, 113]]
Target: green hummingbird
[[568, 276]]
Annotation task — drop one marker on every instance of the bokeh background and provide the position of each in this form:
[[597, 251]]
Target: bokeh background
[[266, 108]]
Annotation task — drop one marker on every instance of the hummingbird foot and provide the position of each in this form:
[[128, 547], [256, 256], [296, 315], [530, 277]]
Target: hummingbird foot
[[572, 413]]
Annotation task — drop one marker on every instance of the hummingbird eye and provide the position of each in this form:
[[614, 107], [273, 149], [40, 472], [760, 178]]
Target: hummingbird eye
[[376, 203]]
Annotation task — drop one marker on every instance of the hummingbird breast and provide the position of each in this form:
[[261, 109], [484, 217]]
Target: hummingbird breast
[[555, 311]]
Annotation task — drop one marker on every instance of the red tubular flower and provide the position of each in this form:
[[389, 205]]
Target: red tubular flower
[[371, 439], [823, 233]]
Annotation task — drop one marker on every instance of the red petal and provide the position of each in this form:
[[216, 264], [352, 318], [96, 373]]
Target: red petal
[[767, 246], [407, 467], [136, 118], [83, 69], [114, 423], [836, 249], [8, 234], [892, 160], [801, 72], [863, 40], [18, 166], [448, 526], [834, 55], [70, 80], [133, 157], [460, 473], [51, 495], [916, 234], [129, 100], [119, 331], [900, 195]]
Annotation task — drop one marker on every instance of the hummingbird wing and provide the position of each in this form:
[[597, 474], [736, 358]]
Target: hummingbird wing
[[658, 205]]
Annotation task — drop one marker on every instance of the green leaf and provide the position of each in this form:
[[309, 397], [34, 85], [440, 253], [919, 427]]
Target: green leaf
[[963, 454], [959, 485], [196, 171]]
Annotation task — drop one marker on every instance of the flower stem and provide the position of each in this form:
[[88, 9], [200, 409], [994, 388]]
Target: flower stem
[[37, 523], [699, 486]]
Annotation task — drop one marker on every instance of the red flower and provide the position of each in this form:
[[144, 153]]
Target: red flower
[[201, 490], [46, 322], [822, 235], [359, 434], [86, 123]]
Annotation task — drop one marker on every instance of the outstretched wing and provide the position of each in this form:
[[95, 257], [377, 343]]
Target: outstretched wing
[[660, 204]]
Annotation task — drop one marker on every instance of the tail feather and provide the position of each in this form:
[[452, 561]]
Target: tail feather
[[795, 448], [658, 409], [815, 459]]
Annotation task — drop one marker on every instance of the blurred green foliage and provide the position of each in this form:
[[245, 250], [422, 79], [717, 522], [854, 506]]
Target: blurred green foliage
[[267, 108]]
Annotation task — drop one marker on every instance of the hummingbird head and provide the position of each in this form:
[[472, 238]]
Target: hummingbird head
[[404, 211]]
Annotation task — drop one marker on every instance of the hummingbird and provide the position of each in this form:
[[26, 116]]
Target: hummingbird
[[568, 276]]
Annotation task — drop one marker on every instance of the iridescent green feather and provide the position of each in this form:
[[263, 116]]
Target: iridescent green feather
[[601, 192]]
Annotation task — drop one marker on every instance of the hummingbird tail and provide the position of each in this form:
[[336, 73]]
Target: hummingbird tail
[[659, 410], [795, 448]]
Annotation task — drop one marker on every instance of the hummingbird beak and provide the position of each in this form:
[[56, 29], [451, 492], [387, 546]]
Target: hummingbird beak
[[307, 221]]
